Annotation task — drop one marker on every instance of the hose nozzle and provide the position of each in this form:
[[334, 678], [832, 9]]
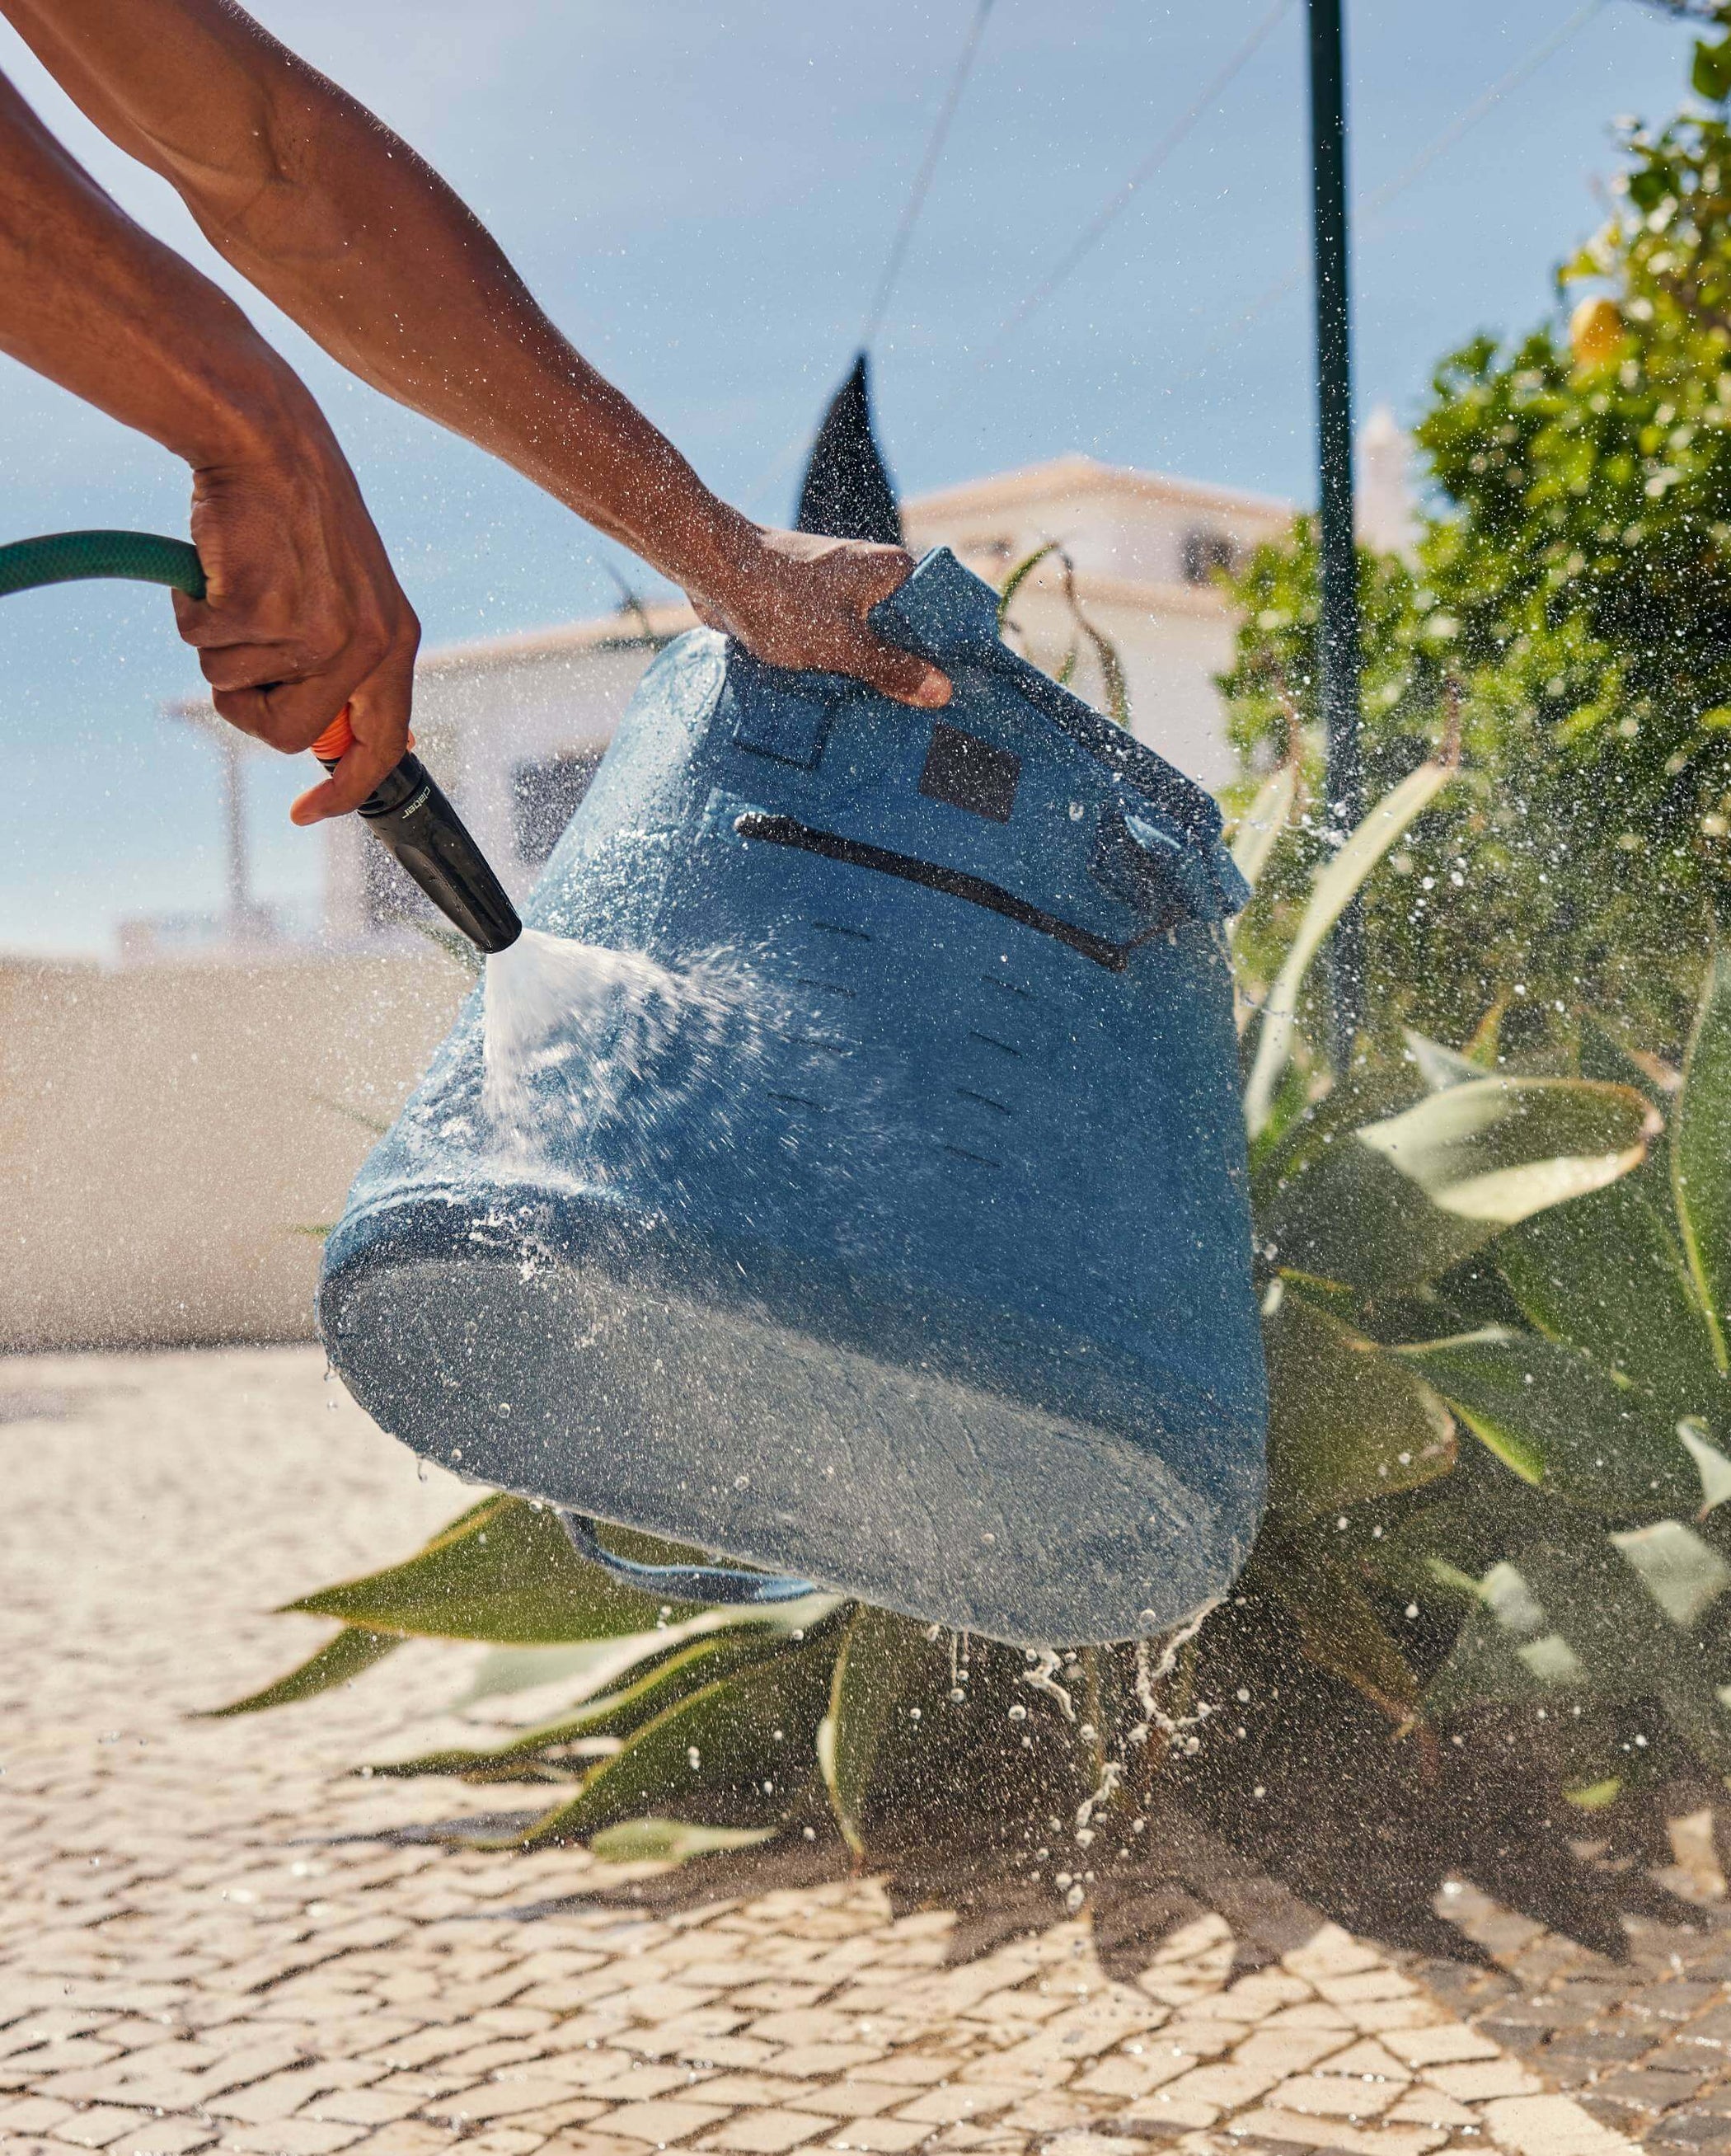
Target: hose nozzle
[[408, 814]]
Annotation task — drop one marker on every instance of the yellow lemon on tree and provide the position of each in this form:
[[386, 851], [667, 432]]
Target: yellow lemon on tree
[[1596, 332]]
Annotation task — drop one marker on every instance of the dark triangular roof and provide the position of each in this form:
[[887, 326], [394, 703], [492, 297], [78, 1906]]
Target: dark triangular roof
[[848, 492]]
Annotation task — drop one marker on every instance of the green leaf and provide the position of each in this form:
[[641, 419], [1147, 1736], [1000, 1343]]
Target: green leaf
[[337, 1662], [1440, 1067], [1450, 1542], [509, 1669], [1338, 1625], [1701, 1155], [1259, 830], [1709, 75], [1019, 576], [504, 1572], [620, 1712], [881, 1657], [723, 1741], [376, 1125], [1497, 1150], [1347, 1213], [1606, 1274], [1684, 1574], [671, 1841], [1561, 1424], [1336, 883], [1347, 1420], [1403, 1200], [1590, 1621]]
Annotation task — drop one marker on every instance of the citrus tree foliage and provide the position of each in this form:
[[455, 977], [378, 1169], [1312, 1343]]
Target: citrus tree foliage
[[1568, 617]]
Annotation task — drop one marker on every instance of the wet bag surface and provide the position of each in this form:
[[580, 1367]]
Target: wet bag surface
[[847, 1176]]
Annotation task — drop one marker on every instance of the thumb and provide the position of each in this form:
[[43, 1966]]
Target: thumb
[[901, 675]]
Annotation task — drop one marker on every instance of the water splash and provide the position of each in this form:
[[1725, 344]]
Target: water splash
[[606, 1021]]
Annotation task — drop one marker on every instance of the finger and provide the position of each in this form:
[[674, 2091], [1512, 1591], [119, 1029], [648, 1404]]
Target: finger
[[287, 716], [353, 779], [379, 717], [207, 628], [901, 675], [250, 665], [884, 570]]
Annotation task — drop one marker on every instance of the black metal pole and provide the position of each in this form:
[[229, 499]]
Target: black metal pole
[[1340, 637]]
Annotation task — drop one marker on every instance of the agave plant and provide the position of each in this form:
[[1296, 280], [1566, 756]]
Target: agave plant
[[1495, 1312]]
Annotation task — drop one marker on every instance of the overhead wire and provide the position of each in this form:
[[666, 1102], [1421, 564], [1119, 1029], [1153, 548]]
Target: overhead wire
[[1374, 204], [1098, 226], [924, 176], [900, 240]]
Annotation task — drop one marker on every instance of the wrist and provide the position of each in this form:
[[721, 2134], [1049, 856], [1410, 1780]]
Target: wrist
[[722, 552], [247, 408]]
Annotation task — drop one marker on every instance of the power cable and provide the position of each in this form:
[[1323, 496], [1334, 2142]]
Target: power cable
[[899, 245], [1375, 205], [1097, 228], [924, 178]]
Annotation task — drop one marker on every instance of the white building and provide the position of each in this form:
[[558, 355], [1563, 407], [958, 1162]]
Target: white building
[[514, 726]]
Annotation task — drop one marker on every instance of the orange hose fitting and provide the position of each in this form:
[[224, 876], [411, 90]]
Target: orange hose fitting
[[338, 738]]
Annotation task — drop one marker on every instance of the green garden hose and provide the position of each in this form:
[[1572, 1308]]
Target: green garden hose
[[67, 557], [407, 811]]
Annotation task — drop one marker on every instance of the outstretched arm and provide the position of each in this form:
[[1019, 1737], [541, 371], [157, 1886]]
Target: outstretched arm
[[322, 207], [301, 614]]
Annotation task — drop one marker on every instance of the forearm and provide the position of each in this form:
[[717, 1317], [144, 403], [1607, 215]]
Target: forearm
[[90, 300], [351, 234]]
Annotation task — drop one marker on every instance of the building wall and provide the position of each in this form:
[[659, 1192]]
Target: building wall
[[1141, 547], [168, 1134]]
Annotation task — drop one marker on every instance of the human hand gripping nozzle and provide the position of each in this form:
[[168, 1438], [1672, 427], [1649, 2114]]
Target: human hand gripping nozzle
[[408, 812]]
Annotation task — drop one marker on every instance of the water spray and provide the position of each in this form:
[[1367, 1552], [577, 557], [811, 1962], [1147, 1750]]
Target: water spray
[[407, 811]]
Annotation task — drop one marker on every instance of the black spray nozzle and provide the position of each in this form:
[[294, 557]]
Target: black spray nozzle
[[408, 814]]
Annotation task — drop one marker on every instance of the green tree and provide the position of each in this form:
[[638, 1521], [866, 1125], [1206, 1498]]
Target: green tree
[[1567, 621]]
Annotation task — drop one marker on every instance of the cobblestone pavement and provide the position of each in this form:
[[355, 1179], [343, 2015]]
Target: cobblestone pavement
[[206, 1942]]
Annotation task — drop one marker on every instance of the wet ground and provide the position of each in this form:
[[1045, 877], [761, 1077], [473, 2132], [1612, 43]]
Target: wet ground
[[214, 1935]]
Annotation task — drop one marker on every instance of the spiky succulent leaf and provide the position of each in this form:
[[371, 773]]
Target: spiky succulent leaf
[[1612, 1618], [504, 1572], [1337, 1624], [648, 1688], [1607, 1274], [1561, 1424], [882, 1658], [1337, 881], [339, 1661], [1347, 1420], [724, 1741], [672, 1841]]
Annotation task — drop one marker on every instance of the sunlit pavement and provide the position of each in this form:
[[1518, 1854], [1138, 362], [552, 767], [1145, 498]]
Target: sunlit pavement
[[204, 1943]]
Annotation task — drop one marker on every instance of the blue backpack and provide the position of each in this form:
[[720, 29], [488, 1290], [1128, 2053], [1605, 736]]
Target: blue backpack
[[861, 1192]]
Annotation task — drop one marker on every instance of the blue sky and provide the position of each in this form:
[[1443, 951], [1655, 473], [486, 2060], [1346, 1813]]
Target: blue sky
[[701, 192]]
